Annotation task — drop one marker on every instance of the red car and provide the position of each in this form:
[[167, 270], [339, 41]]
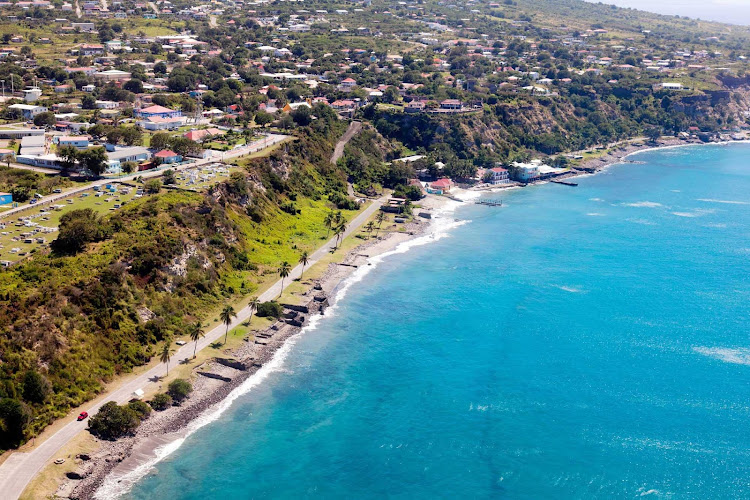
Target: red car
[[83, 416]]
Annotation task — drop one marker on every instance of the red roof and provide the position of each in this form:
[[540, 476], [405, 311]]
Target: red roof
[[499, 170], [442, 183], [166, 153]]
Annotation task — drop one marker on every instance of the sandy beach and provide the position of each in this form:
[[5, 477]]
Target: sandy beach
[[216, 382]]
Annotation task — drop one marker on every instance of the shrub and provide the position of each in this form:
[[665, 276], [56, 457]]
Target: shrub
[[141, 409], [113, 421], [36, 388], [14, 417], [161, 402], [270, 309], [179, 389]]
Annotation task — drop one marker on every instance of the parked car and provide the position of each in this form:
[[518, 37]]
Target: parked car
[[83, 416]]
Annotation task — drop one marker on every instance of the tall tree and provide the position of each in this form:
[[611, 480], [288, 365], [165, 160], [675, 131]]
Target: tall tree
[[340, 230], [284, 271], [380, 218], [329, 222], [303, 259], [253, 305], [196, 332], [166, 352], [226, 316]]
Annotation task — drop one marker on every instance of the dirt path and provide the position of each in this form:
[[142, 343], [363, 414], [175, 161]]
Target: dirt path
[[354, 128]]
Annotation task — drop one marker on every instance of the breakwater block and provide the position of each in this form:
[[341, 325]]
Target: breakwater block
[[215, 376], [231, 363], [292, 307]]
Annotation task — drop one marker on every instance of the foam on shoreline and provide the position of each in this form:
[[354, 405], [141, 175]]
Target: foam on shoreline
[[440, 227]]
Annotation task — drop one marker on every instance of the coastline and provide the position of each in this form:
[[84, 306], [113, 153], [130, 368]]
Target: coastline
[[117, 465]]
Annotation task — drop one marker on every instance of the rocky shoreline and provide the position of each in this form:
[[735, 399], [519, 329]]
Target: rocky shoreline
[[214, 380]]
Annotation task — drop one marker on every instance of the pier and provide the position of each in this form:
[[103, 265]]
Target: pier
[[489, 203], [564, 183]]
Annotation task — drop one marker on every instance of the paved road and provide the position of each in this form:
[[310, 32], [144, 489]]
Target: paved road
[[20, 468], [258, 145]]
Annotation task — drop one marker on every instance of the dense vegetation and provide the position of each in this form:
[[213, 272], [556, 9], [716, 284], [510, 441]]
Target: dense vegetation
[[114, 287]]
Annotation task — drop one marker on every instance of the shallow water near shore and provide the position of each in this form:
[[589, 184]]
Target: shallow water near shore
[[587, 342]]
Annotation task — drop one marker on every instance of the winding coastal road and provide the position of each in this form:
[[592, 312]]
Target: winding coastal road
[[21, 467]]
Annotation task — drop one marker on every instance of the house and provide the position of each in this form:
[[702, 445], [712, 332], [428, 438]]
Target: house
[[347, 84], [199, 135], [156, 111], [414, 107], [293, 106], [168, 156], [34, 145], [112, 75], [156, 123], [498, 175], [91, 49], [29, 111], [84, 27], [672, 86], [106, 104], [89, 88], [343, 105], [440, 186], [526, 172], [120, 155], [451, 104], [32, 94], [6, 198], [77, 141]]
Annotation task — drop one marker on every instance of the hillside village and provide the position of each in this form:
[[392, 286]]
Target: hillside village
[[251, 65]]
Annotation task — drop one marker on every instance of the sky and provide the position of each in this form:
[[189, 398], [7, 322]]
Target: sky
[[728, 11]]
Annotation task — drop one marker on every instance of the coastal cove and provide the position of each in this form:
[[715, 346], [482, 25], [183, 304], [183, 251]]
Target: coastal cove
[[576, 342]]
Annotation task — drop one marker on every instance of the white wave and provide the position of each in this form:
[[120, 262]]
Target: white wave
[[595, 214], [568, 289], [643, 204], [675, 190], [115, 486], [686, 214], [649, 492], [641, 221], [595, 199], [727, 202], [736, 355]]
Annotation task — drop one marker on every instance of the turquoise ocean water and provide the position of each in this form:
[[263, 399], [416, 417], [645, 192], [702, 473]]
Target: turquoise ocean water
[[589, 342]]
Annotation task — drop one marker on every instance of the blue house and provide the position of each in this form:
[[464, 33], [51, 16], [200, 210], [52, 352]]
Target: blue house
[[6, 198]]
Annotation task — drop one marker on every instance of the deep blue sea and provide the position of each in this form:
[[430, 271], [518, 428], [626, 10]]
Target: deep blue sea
[[579, 342]]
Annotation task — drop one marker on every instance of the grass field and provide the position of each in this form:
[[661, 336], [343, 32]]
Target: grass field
[[13, 237]]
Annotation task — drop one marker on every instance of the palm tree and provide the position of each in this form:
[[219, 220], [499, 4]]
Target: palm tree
[[166, 353], [380, 218], [339, 218], [370, 227], [226, 316], [254, 303], [196, 332], [303, 259], [329, 221], [340, 230], [284, 271]]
